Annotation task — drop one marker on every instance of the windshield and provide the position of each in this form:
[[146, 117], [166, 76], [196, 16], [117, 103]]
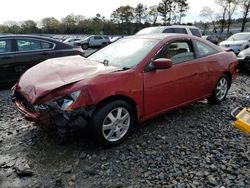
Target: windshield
[[241, 36], [125, 53], [149, 30]]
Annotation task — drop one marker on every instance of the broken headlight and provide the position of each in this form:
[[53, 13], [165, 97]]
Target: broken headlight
[[65, 102]]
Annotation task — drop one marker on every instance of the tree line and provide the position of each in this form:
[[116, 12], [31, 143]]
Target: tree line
[[124, 20], [222, 19]]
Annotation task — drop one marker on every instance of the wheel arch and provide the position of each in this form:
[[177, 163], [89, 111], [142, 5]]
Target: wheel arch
[[227, 73], [119, 97]]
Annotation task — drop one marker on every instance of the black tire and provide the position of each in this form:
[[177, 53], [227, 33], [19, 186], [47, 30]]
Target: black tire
[[241, 70], [104, 44], [84, 46], [214, 98], [100, 116]]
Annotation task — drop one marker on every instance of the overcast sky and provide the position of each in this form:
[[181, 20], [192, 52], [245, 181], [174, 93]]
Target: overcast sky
[[19, 10]]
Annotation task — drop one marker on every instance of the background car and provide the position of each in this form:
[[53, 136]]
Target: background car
[[237, 42], [244, 60], [20, 52], [93, 41], [129, 81], [71, 41], [185, 29], [212, 38]]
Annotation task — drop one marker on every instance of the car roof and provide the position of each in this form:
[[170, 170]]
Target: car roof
[[242, 33], [161, 36], [173, 36], [28, 36], [172, 26]]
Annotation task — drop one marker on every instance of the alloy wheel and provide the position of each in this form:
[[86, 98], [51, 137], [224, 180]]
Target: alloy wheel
[[116, 124], [221, 89]]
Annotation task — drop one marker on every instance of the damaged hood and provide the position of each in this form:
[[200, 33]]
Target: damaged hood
[[55, 73]]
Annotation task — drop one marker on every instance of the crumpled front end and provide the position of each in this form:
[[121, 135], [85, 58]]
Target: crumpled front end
[[56, 112]]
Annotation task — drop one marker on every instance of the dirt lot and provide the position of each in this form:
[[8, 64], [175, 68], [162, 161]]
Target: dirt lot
[[195, 146]]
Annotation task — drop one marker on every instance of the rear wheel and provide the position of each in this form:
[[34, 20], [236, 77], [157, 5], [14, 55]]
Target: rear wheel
[[112, 123], [220, 91], [84, 46]]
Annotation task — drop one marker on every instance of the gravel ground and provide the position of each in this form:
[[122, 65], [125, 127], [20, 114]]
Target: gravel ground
[[195, 146]]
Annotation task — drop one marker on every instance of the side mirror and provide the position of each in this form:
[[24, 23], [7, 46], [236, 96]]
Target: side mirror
[[162, 63]]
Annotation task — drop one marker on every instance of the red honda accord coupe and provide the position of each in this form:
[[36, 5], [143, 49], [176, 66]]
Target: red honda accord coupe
[[129, 81]]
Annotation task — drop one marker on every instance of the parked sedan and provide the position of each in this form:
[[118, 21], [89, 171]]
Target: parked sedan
[[129, 81], [244, 60], [237, 42], [20, 52]]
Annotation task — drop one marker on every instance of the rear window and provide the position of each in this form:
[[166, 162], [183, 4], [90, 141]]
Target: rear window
[[5, 46], [175, 30], [195, 32]]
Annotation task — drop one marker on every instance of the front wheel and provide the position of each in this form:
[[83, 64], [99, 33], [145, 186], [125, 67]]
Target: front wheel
[[220, 91], [112, 122]]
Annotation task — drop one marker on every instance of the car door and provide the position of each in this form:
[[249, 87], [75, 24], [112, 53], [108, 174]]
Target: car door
[[7, 60], [92, 41], [178, 85], [98, 40]]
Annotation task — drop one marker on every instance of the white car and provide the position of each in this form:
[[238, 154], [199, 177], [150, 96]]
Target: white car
[[185, 29], [93, 41], [237, 42], [71, 41]]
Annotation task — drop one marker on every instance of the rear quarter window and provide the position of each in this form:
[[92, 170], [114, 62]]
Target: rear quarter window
[[203, 49]]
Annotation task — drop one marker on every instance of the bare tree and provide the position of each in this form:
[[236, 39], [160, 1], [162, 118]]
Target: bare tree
[[222, 17], [182, 8], [231, 7], [208, 13], [152, 14], [165, 9], [245, 5], [140, 12]]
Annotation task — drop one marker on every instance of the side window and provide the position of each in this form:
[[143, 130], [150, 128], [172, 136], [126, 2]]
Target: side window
[[180, 30], [178, 52], [175, 30], [97, 37], [30, 45], [168, 30], [5, 46], [46, 45], [203, 49], [195, 32]]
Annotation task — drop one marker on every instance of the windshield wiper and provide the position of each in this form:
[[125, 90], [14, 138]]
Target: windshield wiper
[[105, 62], [125, 68]]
